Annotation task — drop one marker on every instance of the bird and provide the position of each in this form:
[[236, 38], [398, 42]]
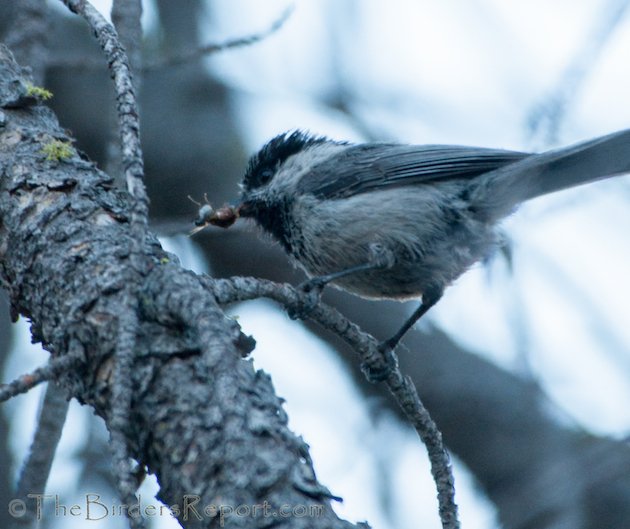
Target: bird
[[395, 221]]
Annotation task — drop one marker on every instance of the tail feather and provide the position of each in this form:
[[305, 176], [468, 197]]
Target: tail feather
[[497, 193]]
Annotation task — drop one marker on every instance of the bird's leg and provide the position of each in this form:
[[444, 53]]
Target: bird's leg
[[429, 298], [315, 285], [318, 283], [379, 257]]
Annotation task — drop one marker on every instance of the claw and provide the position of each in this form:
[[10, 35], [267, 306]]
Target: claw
[[380, 372], [315, 284], [313, 288]]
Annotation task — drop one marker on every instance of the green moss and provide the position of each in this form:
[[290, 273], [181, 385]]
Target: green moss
[[38, 92], [57, 150]]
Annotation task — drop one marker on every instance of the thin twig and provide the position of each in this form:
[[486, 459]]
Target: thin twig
[[402, 388], [128, 117], [28, 381], [208, 49], [86, 63], [36, 468], [126, 16]]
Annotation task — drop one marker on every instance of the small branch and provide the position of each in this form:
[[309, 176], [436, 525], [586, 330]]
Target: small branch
[[86, 63], [402, 388], [126, 16], [122, 393], [36, 469], [28, 381], [128, 117], [208, 49]]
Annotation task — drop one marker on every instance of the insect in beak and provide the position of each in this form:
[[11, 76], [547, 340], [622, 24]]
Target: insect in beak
[[223, 217]]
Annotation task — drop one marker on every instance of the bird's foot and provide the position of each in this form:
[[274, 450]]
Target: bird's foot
[[378, 368], [311, 295]]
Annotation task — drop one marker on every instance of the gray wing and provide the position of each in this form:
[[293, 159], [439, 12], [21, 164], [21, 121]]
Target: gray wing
[[362, 168]]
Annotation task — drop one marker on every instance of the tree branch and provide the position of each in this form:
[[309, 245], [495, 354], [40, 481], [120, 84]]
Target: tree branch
[[402, 388], [207, 424], [185, 57], [36, 469], [25, 383], [209, 49], [128, 115]]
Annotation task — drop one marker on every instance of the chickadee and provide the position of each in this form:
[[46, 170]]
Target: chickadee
[[384, 220]]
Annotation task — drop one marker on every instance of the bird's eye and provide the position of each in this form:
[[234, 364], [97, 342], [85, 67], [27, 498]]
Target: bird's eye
[[265, 176]]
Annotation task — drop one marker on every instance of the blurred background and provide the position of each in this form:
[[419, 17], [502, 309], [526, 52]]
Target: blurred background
[[524, 364]]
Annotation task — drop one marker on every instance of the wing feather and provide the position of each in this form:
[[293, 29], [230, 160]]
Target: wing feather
[[362, 168]]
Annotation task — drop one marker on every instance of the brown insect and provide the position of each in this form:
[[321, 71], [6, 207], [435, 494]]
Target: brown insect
[[223, 217]]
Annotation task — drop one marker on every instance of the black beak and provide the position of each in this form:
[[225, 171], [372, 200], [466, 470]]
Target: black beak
[[244, 208]]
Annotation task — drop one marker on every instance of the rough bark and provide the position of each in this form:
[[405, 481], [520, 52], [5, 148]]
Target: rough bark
[[203, 420]]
